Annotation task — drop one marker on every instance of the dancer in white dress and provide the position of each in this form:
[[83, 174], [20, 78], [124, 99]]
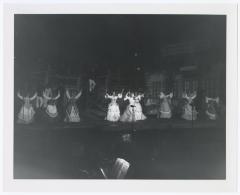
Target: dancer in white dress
[[165, 109], [138, 108], [189, 111], [211, 110], [72, 113], [113, 113], [51, 108], [26, 114], [129, 113]]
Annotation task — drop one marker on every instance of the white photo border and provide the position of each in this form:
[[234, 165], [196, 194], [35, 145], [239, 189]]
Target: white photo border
[[25, 185]]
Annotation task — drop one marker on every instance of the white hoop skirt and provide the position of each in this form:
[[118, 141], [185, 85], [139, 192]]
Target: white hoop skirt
[[113, 113], [138, 112], [128, 115], [133, 113], [26, 115]]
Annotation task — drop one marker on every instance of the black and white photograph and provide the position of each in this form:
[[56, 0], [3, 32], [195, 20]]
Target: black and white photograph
[[120, 96]]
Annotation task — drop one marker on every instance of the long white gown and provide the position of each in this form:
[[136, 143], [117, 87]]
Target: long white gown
[[133, 111], [189, 112], [165, 110], [138, 109], [113, 113], [129, 113], [26, 114]]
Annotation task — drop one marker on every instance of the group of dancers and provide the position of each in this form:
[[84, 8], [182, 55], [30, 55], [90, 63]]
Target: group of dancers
[[46, 105], [134, 111]]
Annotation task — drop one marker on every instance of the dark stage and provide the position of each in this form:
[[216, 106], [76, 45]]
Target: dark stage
[[157, 149], [90, 66]]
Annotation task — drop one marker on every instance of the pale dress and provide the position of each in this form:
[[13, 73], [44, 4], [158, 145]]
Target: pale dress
[[26, 114], [138, 110], [165, 110], [113, 113], [129, 113]]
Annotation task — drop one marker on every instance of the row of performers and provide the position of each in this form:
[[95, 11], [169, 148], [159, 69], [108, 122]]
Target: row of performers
[[47, 106], [133, 112]]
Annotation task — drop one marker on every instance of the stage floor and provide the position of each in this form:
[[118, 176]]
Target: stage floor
[[149, 124], [158, 149]]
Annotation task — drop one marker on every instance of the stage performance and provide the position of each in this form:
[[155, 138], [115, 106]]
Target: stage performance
[[119, 96], [113, 113]]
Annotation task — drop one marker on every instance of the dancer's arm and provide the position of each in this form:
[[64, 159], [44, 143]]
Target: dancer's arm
[[185, 96], [58, 96], [188, 98], [67, 94], [161, 95], [78, 95], [119, 95], [45, 96], [108, 96], [139, 97], [33, 97], [170, 95], [194, 95], [206, 99], [126, 97], [19, 96]]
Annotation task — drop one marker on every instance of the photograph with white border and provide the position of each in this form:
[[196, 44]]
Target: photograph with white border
[[120, 97]]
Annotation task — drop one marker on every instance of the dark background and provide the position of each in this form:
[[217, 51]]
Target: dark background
[[130, 44]]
